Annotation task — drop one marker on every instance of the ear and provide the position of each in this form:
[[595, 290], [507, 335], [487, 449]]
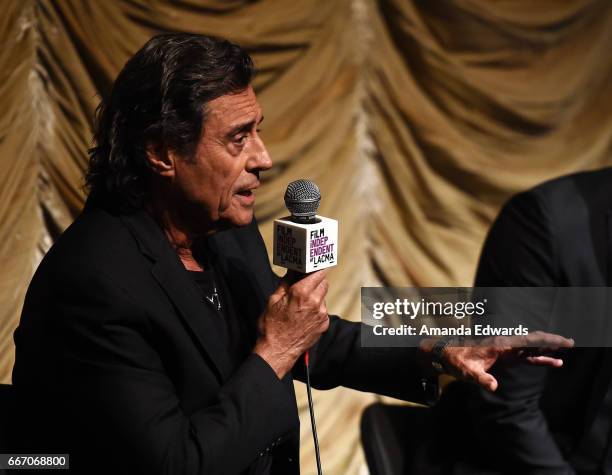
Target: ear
[[161, 160]]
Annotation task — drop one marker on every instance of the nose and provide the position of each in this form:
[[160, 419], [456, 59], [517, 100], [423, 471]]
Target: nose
[[259, 159]]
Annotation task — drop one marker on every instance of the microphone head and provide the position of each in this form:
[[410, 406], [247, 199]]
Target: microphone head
[[302, 199]]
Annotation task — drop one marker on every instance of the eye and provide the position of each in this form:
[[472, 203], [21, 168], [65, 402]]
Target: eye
[[240, 139]]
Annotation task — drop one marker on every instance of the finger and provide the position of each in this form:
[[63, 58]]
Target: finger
[[545, 361], [500, 342], [541, 339], [279, 293], [485, 380], [548, 340], [284, 284], [321, 291], [311, 281]]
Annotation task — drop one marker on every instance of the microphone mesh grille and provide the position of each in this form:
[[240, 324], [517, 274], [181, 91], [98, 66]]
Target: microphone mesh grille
[[302, 198]]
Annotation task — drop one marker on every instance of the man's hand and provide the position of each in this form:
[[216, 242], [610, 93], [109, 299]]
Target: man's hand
[[473, 358], [293, 321]]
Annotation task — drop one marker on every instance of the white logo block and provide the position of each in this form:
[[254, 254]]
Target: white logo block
[[306, 247]]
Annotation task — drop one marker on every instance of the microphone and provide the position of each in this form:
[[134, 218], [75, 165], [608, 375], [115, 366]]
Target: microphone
[[305, 242]]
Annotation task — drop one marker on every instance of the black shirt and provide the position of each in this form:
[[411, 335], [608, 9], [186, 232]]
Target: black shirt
[[215, 294]]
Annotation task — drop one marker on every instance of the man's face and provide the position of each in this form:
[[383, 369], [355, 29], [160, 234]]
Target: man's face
[[220, 180]]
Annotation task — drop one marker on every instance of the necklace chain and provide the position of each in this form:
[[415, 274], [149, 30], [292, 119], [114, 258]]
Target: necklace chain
[[214, 299]]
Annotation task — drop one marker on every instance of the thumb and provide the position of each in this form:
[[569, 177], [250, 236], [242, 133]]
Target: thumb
[[486, 380], [279, 293]]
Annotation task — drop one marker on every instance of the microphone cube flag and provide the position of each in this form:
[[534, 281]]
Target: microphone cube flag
[[305, 247]]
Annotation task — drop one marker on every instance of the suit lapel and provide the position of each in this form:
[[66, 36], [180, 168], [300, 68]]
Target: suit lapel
[[245, 290], [195, 314], [169, 272]]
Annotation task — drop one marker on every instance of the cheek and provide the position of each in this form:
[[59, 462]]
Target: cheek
[[227, 190]]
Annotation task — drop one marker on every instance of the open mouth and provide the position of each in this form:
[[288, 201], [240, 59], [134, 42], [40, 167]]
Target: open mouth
[[245, 193]]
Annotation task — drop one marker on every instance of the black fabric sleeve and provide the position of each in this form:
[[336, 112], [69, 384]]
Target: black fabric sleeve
[[510, 427], [338, 359], [114, 383]]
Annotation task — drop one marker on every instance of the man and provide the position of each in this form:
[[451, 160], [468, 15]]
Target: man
[[542, 422], [559, 423], [155, 338]]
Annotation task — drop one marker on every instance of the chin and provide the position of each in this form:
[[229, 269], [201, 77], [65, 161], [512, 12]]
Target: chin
[[241, 219]]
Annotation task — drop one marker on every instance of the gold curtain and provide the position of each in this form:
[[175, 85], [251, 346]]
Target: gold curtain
[[417, 118]]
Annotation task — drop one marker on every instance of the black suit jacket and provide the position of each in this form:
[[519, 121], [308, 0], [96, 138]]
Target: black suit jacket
[[118, 361], [540, 420]]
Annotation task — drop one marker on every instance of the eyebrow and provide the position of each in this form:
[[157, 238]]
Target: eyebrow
[[243, 127]]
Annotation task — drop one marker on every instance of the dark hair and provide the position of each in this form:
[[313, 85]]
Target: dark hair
[[159, 97]]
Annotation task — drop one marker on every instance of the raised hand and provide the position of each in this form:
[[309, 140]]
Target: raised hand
[[471, 359], [294, 319]]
